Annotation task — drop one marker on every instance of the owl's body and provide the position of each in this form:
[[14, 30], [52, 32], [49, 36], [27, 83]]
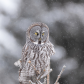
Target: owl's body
[[37, 52]]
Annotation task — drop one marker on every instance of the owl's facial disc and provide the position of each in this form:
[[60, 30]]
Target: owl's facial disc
[[38, 35]]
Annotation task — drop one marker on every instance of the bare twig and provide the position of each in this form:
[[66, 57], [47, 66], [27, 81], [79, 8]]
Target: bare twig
[[39, 77], [33, 66], [35, 70], [60, 75]]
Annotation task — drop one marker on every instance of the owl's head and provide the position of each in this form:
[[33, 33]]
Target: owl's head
[[38, 33]]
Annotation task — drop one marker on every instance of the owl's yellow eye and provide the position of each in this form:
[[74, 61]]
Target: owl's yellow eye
[[36, 33], [42, 33]]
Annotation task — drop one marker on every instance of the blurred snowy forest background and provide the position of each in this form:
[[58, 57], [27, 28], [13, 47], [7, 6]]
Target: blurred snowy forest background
[[65, 19]]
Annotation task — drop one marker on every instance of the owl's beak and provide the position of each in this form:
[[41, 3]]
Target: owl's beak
[[39, 41]]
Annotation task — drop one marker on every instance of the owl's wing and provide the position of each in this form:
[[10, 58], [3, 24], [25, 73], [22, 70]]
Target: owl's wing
[[21, 61], [51, 49], [24, 54]]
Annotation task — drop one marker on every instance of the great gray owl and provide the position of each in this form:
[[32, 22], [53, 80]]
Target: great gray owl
[[36, 53]]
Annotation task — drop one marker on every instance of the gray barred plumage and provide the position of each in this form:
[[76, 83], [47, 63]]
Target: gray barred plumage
[[37, 53]]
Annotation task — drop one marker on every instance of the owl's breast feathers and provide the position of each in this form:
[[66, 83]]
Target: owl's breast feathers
[[29, 51]]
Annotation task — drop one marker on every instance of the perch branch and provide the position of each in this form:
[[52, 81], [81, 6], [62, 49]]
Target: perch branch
[[48, 76]]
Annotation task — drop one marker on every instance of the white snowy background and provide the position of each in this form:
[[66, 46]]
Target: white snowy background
[[65, 19]]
